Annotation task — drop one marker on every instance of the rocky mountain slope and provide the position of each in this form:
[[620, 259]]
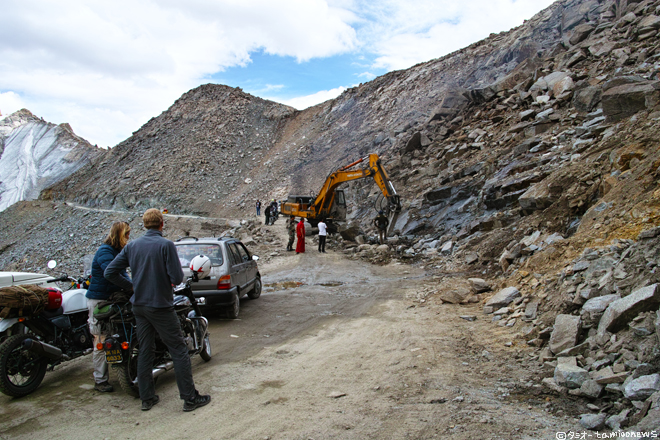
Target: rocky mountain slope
[[35, 154], [527, 162]]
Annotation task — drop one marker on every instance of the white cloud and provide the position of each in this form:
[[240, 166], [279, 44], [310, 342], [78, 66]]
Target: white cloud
[[303, 102], [107, 67], [367, 75], [9, 103], [80, 62], [405, 32]]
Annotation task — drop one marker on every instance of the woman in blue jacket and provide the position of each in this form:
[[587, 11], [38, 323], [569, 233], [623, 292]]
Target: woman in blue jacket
[[100, 290]]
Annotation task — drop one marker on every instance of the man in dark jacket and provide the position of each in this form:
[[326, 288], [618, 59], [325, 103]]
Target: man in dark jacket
[[155, 268], [381, 222]]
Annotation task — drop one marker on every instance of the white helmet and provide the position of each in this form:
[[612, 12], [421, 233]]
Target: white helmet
[[201, 265]]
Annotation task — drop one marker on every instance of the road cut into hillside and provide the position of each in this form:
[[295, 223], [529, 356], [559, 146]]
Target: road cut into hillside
[[333, 349]]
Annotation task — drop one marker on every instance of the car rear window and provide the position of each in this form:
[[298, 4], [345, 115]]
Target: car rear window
[[188, 251]]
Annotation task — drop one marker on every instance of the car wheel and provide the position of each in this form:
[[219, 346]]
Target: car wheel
[[256, 292], [232, 311]]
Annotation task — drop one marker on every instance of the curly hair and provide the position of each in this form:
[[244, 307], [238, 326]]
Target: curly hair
[[118, 236]]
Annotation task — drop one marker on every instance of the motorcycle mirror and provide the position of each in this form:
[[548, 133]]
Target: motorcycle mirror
[[52, 264]]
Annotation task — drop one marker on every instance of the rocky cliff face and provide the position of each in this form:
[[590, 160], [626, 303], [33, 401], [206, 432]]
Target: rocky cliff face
[[35, 154]]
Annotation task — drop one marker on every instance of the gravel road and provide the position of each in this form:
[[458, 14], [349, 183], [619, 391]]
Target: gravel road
[[333, 349]]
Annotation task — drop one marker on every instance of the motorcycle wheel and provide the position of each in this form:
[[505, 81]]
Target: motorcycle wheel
[[205, 354], [127, 374], [21, 371]]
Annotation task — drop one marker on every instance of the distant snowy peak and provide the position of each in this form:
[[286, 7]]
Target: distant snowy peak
[[34, 154]]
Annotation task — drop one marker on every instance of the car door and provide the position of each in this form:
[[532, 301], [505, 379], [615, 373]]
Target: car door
[[251, 268], [237, 270]]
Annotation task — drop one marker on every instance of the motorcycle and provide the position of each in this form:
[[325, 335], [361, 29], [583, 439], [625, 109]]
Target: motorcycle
[[36, 343], [121, 343]]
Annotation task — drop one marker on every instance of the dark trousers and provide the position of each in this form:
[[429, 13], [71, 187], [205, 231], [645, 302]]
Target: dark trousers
[[149, 321], [322, 243]]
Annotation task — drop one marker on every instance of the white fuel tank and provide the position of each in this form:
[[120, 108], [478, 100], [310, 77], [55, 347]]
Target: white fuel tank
[[74, 301]]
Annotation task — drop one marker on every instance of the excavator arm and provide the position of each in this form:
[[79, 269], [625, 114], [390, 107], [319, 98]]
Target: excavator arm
[[322, 205]]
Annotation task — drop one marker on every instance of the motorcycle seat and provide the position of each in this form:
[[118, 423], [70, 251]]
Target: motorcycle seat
[[52, 313]]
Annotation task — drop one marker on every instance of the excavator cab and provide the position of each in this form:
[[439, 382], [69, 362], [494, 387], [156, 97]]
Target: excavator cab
[[338, 212]]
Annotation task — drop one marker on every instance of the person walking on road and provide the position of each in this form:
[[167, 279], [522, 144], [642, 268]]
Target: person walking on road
[[258, 208], [300, 233], [99, 290], [267, 215], [291, 229], [155, 268], [381, 222], [323, 228]]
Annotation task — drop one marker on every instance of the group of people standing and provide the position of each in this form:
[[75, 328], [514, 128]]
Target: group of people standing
[[155, 269], [270, 211], [297, 230]]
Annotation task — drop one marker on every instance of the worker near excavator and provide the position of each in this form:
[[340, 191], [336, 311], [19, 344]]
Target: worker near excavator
[[323, 232], [300, 232], [381, 222], [291, 229]]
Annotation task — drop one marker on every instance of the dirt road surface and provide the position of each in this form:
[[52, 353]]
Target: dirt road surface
[[333, 349]]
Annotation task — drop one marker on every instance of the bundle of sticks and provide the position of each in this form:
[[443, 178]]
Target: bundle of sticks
[[23, 300]]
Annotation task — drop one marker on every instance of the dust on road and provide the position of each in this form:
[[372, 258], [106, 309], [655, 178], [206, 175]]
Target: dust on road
[[333, 349]]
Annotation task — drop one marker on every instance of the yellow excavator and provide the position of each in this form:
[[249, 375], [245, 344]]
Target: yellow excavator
[[330, 203]]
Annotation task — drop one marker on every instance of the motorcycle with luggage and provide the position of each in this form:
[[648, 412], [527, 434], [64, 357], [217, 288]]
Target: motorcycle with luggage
[[118, 327], [41, 327]]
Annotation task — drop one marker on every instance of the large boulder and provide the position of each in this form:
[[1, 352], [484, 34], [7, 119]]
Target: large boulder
[[621, 311], [599, 303], [642, 388], [587, 98], [581, 32], [503, 298], [568, 374], [565, 333], [478, 285], [417, 140], [622, 101], [573, 16], [648, 23], [452, 104], [537, 197], [455, 296], [350, 233], [592, 422]]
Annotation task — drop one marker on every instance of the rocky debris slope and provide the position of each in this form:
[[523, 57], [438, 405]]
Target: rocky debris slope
[[193, 158], [35, 154]]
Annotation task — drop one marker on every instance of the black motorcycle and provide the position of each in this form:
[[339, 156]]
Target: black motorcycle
[[121, 343]]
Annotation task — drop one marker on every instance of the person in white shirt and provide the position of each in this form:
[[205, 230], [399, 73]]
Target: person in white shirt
[[323, 232]]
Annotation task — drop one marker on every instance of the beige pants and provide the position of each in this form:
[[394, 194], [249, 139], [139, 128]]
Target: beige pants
[[98, 356]]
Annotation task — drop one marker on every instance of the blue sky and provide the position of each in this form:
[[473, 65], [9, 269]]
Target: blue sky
[[106, 68], [271, 75]]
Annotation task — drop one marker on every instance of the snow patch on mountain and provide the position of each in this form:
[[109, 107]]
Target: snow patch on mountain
[[35, 154]]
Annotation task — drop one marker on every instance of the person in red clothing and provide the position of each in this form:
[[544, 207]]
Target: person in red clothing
[[300, 232]]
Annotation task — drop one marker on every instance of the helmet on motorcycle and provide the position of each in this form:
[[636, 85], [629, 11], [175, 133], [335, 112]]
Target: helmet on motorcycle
[[201, 265]]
